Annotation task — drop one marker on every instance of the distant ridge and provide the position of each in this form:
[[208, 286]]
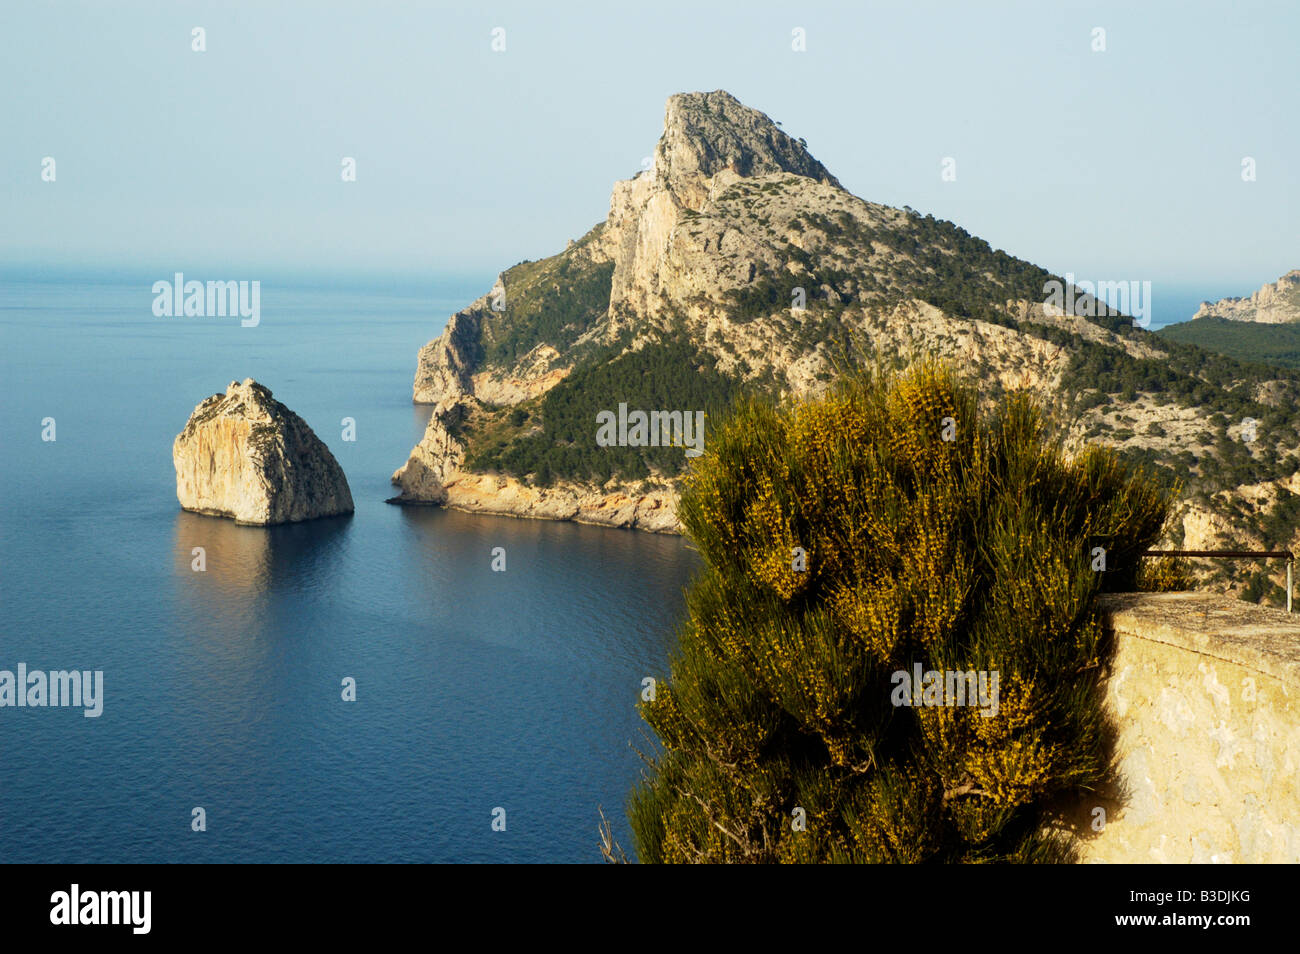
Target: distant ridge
[[1253, 341], [1273, 304]]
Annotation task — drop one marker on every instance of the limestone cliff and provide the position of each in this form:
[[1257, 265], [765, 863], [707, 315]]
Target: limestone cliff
[[245, 455], [1273, 304], [737, 261]]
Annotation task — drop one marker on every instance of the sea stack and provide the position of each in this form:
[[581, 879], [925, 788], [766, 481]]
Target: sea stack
[[247, 456]]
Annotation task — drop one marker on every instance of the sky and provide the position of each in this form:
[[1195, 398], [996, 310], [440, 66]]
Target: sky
[[1118, 164]]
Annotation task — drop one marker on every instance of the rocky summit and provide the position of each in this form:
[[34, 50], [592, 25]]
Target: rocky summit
[[1273, 304], [737, 262], [245, 455]]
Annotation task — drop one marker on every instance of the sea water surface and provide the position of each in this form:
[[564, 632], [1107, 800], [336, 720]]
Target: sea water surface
[[475, 690]]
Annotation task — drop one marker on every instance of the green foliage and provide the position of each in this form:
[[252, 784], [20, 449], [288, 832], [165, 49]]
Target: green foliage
[[758, 299], [669, 375], [880, 261], [1222, 389], [963, 275], [1164, 574], [1279, 525], [935, 260], [1167, 471], [1189, 375], [552, 302], [1249, 341], [490, 431], [970, 554]]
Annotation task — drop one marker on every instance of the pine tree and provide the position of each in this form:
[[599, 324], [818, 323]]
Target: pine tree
[[846, 540]]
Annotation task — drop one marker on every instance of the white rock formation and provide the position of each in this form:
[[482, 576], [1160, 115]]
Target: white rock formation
[[247, 456], [1274, 304], [731, 225]]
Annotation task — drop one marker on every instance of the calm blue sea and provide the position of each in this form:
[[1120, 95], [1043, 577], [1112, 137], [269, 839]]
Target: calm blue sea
[[475, 690], [1173, 303]]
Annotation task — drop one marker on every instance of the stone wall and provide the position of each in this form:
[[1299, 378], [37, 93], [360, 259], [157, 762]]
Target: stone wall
[[1205, 692]]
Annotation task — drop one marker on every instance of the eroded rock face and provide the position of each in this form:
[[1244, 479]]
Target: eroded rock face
[[1275, 304], [710, 142], [245, 455], [731, 225], [653, 509]]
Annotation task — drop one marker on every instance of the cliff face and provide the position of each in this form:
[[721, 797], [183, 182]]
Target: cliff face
[[710, 142], [1275, 304], [729, 200], [737, 258], [433, 475], [245, 455]]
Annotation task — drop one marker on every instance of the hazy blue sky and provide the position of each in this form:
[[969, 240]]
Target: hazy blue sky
[[1121, 164]]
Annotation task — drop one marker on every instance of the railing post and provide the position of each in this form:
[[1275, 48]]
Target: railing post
[[1238, 554]]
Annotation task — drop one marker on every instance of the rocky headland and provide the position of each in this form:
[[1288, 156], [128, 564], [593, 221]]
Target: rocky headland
[[738, 262], [1277, 303]]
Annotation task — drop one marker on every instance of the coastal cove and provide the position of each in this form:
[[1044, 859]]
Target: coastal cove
[[475, 689]]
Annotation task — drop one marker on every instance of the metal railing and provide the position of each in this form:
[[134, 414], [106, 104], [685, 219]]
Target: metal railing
[[1236, 555]]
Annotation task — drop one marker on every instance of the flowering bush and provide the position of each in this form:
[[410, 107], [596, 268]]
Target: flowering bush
[[884, 529]]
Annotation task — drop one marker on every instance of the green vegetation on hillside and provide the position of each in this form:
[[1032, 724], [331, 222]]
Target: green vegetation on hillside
[[785, 730], [962, 274], [1223, 389], [1244, 340], [671, 375], [552, 301], [933, 260], [940, 263], [556, 300]]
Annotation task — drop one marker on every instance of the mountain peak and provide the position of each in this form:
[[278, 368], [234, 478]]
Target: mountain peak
[[737, 263], [707, 133]]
